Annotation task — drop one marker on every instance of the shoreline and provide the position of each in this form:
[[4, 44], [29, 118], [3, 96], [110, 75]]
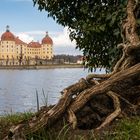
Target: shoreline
[[48, 66]]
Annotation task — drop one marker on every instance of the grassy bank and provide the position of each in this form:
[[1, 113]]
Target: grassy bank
[[125, 129], [11, 119]]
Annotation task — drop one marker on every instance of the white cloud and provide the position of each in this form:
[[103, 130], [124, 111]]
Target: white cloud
[[29, 36], [25, 37], [61, 40], [63, 44]]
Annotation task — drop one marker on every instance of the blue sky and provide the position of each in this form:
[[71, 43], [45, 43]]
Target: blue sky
[[27, 22]]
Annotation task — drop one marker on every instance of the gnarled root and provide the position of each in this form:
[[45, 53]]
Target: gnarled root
[[72, 118], [101, 76], [84, 93], [122, 79], [113, 115]]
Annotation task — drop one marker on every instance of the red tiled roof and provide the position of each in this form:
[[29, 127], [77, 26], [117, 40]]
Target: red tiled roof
[[18, 41], [34, 45]]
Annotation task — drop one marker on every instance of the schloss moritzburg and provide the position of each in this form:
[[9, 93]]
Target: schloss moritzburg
[[13, 51]]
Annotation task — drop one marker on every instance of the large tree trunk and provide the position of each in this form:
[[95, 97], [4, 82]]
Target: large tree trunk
[[131, 41], [97, 100]]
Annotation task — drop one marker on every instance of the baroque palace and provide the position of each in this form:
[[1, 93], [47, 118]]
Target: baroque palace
[[14, 51]]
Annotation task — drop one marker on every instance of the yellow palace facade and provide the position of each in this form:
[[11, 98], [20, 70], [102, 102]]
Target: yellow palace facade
[[13, 51]]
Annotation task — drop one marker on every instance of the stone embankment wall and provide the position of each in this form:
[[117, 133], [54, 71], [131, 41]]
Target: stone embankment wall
[[51, 66]]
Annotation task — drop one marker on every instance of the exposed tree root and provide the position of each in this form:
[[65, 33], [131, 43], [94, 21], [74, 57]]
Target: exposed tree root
[[121, 78], [72, 118], [101, 76], [75, 97], [113, 115], [126, 101], [94, 82]]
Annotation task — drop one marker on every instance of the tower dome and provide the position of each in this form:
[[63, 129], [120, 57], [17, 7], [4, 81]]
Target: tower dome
[[7, 36], [47, 39]]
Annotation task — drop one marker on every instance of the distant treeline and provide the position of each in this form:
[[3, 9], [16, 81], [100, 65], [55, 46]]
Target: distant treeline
[[67, 58]]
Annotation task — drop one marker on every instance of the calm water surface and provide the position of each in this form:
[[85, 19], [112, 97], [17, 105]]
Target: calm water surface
[[18, 87]]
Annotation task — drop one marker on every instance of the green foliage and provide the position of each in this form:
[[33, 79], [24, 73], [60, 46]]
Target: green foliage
[[94, 24]]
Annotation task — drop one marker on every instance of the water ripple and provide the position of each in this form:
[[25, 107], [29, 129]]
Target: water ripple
[[18, 87]]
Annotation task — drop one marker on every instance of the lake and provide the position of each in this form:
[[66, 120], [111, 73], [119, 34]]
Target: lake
[[18, 87]]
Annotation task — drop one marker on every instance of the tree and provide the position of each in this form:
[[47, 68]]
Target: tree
[[99, 28], [94, 24]]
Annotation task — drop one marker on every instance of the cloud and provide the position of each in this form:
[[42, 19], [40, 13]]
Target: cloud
[[63, 44], [61, 40], [29, 36], [25, 37]]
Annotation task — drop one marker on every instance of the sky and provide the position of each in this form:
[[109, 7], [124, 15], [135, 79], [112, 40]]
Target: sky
[[29, 24]]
